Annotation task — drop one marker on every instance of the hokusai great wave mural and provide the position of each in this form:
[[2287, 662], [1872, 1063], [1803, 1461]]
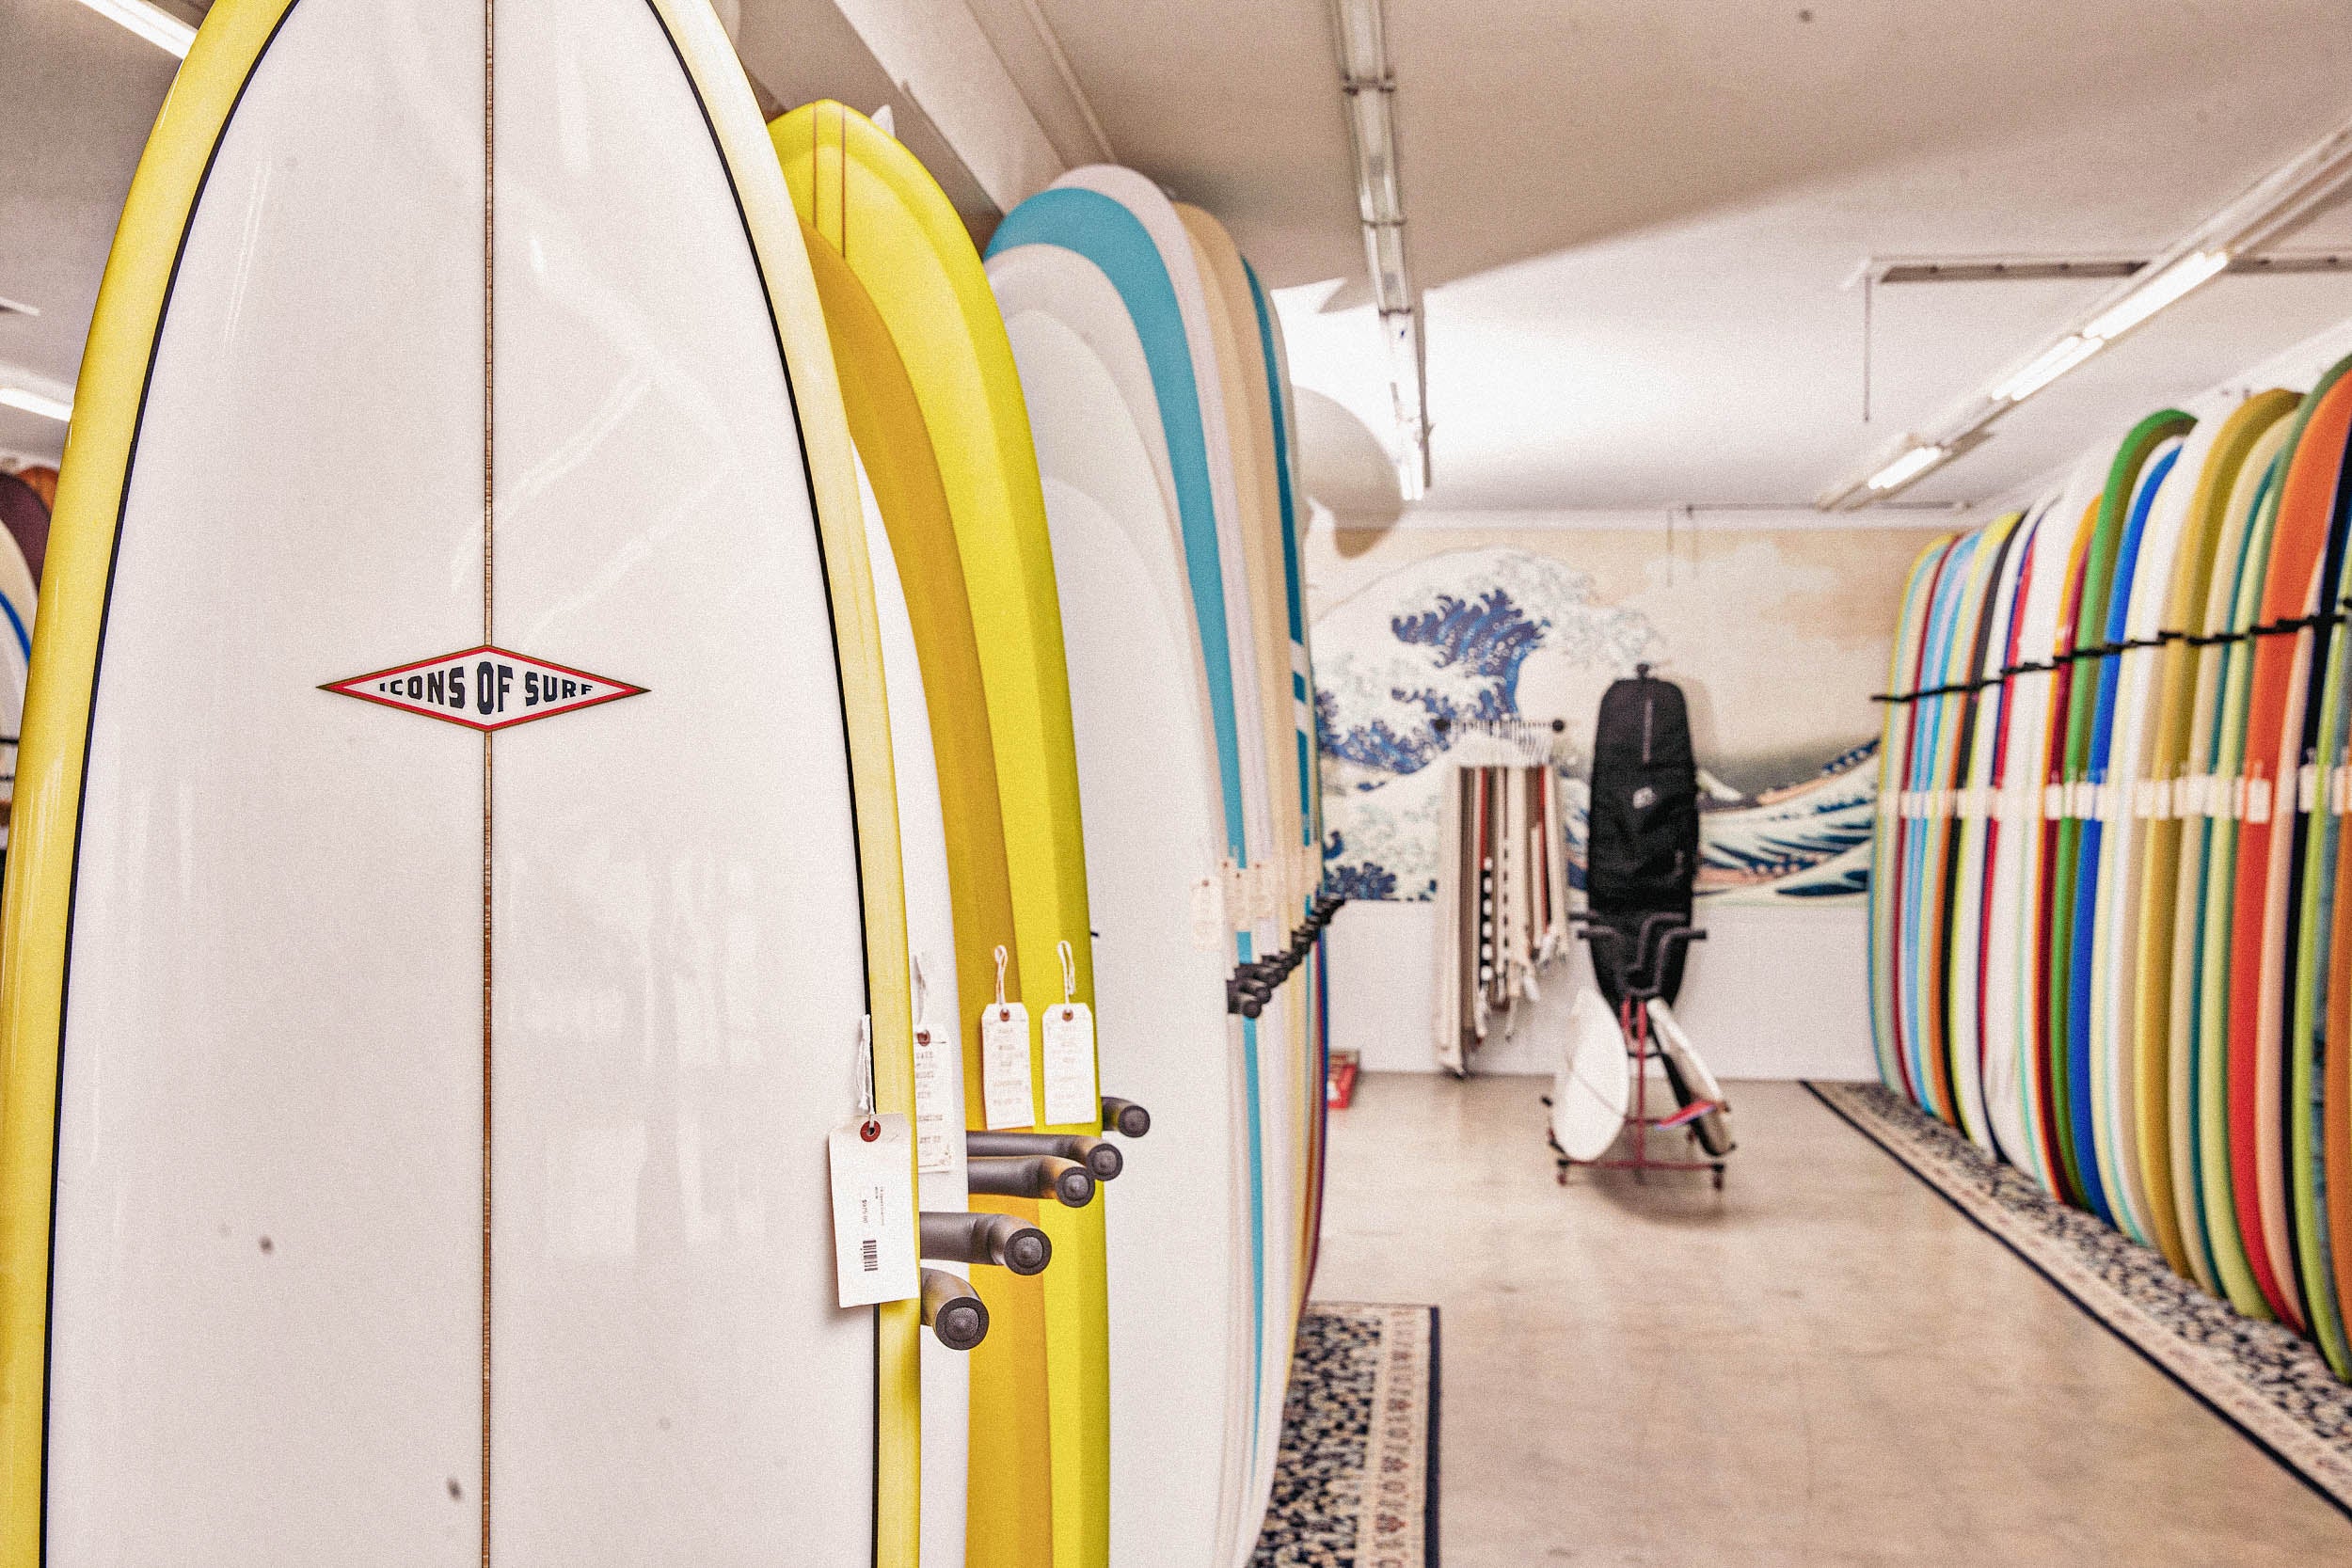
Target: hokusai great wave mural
[[1776, 647]]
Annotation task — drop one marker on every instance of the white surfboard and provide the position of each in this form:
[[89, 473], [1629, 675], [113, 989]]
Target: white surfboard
[[937, 1011], [1595, 1083], [1178, 1227], [1266, 931], [443, 1085]]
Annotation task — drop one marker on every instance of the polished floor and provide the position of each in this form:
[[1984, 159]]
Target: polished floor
[[1822, 1364]]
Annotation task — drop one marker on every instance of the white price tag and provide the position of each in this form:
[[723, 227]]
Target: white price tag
[[2258, 799], [873, 1211], [937, 1119], [2307, 789], [1070, 1095], [1010, 1097], [2053, 802], [1209, 930]]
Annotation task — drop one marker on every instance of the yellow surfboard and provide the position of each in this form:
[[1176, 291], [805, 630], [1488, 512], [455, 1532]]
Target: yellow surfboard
[[875, 205], [886, 421]]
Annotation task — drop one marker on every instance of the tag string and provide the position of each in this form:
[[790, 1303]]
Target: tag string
[[1068, 975], [1001, 957], [865, 1066]]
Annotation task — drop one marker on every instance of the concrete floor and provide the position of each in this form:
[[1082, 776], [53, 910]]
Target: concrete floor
[[1822, 1364]]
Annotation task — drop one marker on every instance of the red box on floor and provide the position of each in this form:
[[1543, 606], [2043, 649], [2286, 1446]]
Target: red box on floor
[[1342, 1088]]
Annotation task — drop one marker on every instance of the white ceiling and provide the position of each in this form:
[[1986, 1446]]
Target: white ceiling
[[1632, 218]]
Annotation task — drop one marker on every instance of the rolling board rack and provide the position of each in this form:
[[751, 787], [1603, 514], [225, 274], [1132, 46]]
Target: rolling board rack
[[1639, 973]]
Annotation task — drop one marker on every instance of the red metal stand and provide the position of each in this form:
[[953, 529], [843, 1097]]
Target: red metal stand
[[1633, 1021]]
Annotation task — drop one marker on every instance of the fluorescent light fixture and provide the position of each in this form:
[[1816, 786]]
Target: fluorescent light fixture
[[1410, 485], [1368, 90], [1391, 286], [1363, 40], [2047, 366], [32, 402], [153, 23], [1377, 194], [2198, 266], [1910, 465]]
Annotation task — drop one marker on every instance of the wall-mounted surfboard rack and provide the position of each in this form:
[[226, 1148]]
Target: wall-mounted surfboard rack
[[998, 1240], [1038, 1176], [952, 1310], [1102, 1160]]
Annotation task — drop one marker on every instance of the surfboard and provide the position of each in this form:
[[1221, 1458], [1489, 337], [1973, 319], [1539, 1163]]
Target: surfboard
[[24, 514], [1923, 1033], [1245, 369], [2137, 796], [1302, 688], [1136, 240], [2306, 544], [1971, 793], [1958, 913], [1886, 880], [961, 912], [934, 1005], [465, 1184], [2241, 1267], [1983, 939], [2212, 540], [898, 234], [2317, 744], [2074, 833], [19, 604], [2039, 697], [1206, 329], [2103, 813], [2015, 843], [1964, 573], [2328, 1087], [1180, 1307]]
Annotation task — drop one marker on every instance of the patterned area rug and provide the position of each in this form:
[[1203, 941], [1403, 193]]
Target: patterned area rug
[[1356, 1484], [2261, 1377]]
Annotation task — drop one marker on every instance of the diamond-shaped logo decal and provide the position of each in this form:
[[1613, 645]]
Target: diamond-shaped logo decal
[[484, 688]]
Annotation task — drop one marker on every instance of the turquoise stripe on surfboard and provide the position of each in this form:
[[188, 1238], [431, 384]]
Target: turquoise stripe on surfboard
[[1090, 224]]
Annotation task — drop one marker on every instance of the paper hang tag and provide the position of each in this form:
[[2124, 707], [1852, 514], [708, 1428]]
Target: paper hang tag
[[2307, 789], [1008, 1094], [1207, 916], [937, 1115], [2053, 802], [873, 1211], [2258, 799], [1070, 1095]]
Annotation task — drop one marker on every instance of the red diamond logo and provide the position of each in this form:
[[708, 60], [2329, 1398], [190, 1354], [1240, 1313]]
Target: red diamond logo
[[484, 688]]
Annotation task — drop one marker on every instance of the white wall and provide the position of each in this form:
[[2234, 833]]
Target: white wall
[[1776, 993]]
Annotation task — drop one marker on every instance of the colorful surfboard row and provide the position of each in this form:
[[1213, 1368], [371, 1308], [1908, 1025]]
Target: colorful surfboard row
[[383, 1094], [2116, 765]]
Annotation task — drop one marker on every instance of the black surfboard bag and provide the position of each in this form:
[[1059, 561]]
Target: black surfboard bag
[[1642, 855]]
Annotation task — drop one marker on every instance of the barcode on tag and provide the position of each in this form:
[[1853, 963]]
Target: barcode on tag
[[872, 1160]]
